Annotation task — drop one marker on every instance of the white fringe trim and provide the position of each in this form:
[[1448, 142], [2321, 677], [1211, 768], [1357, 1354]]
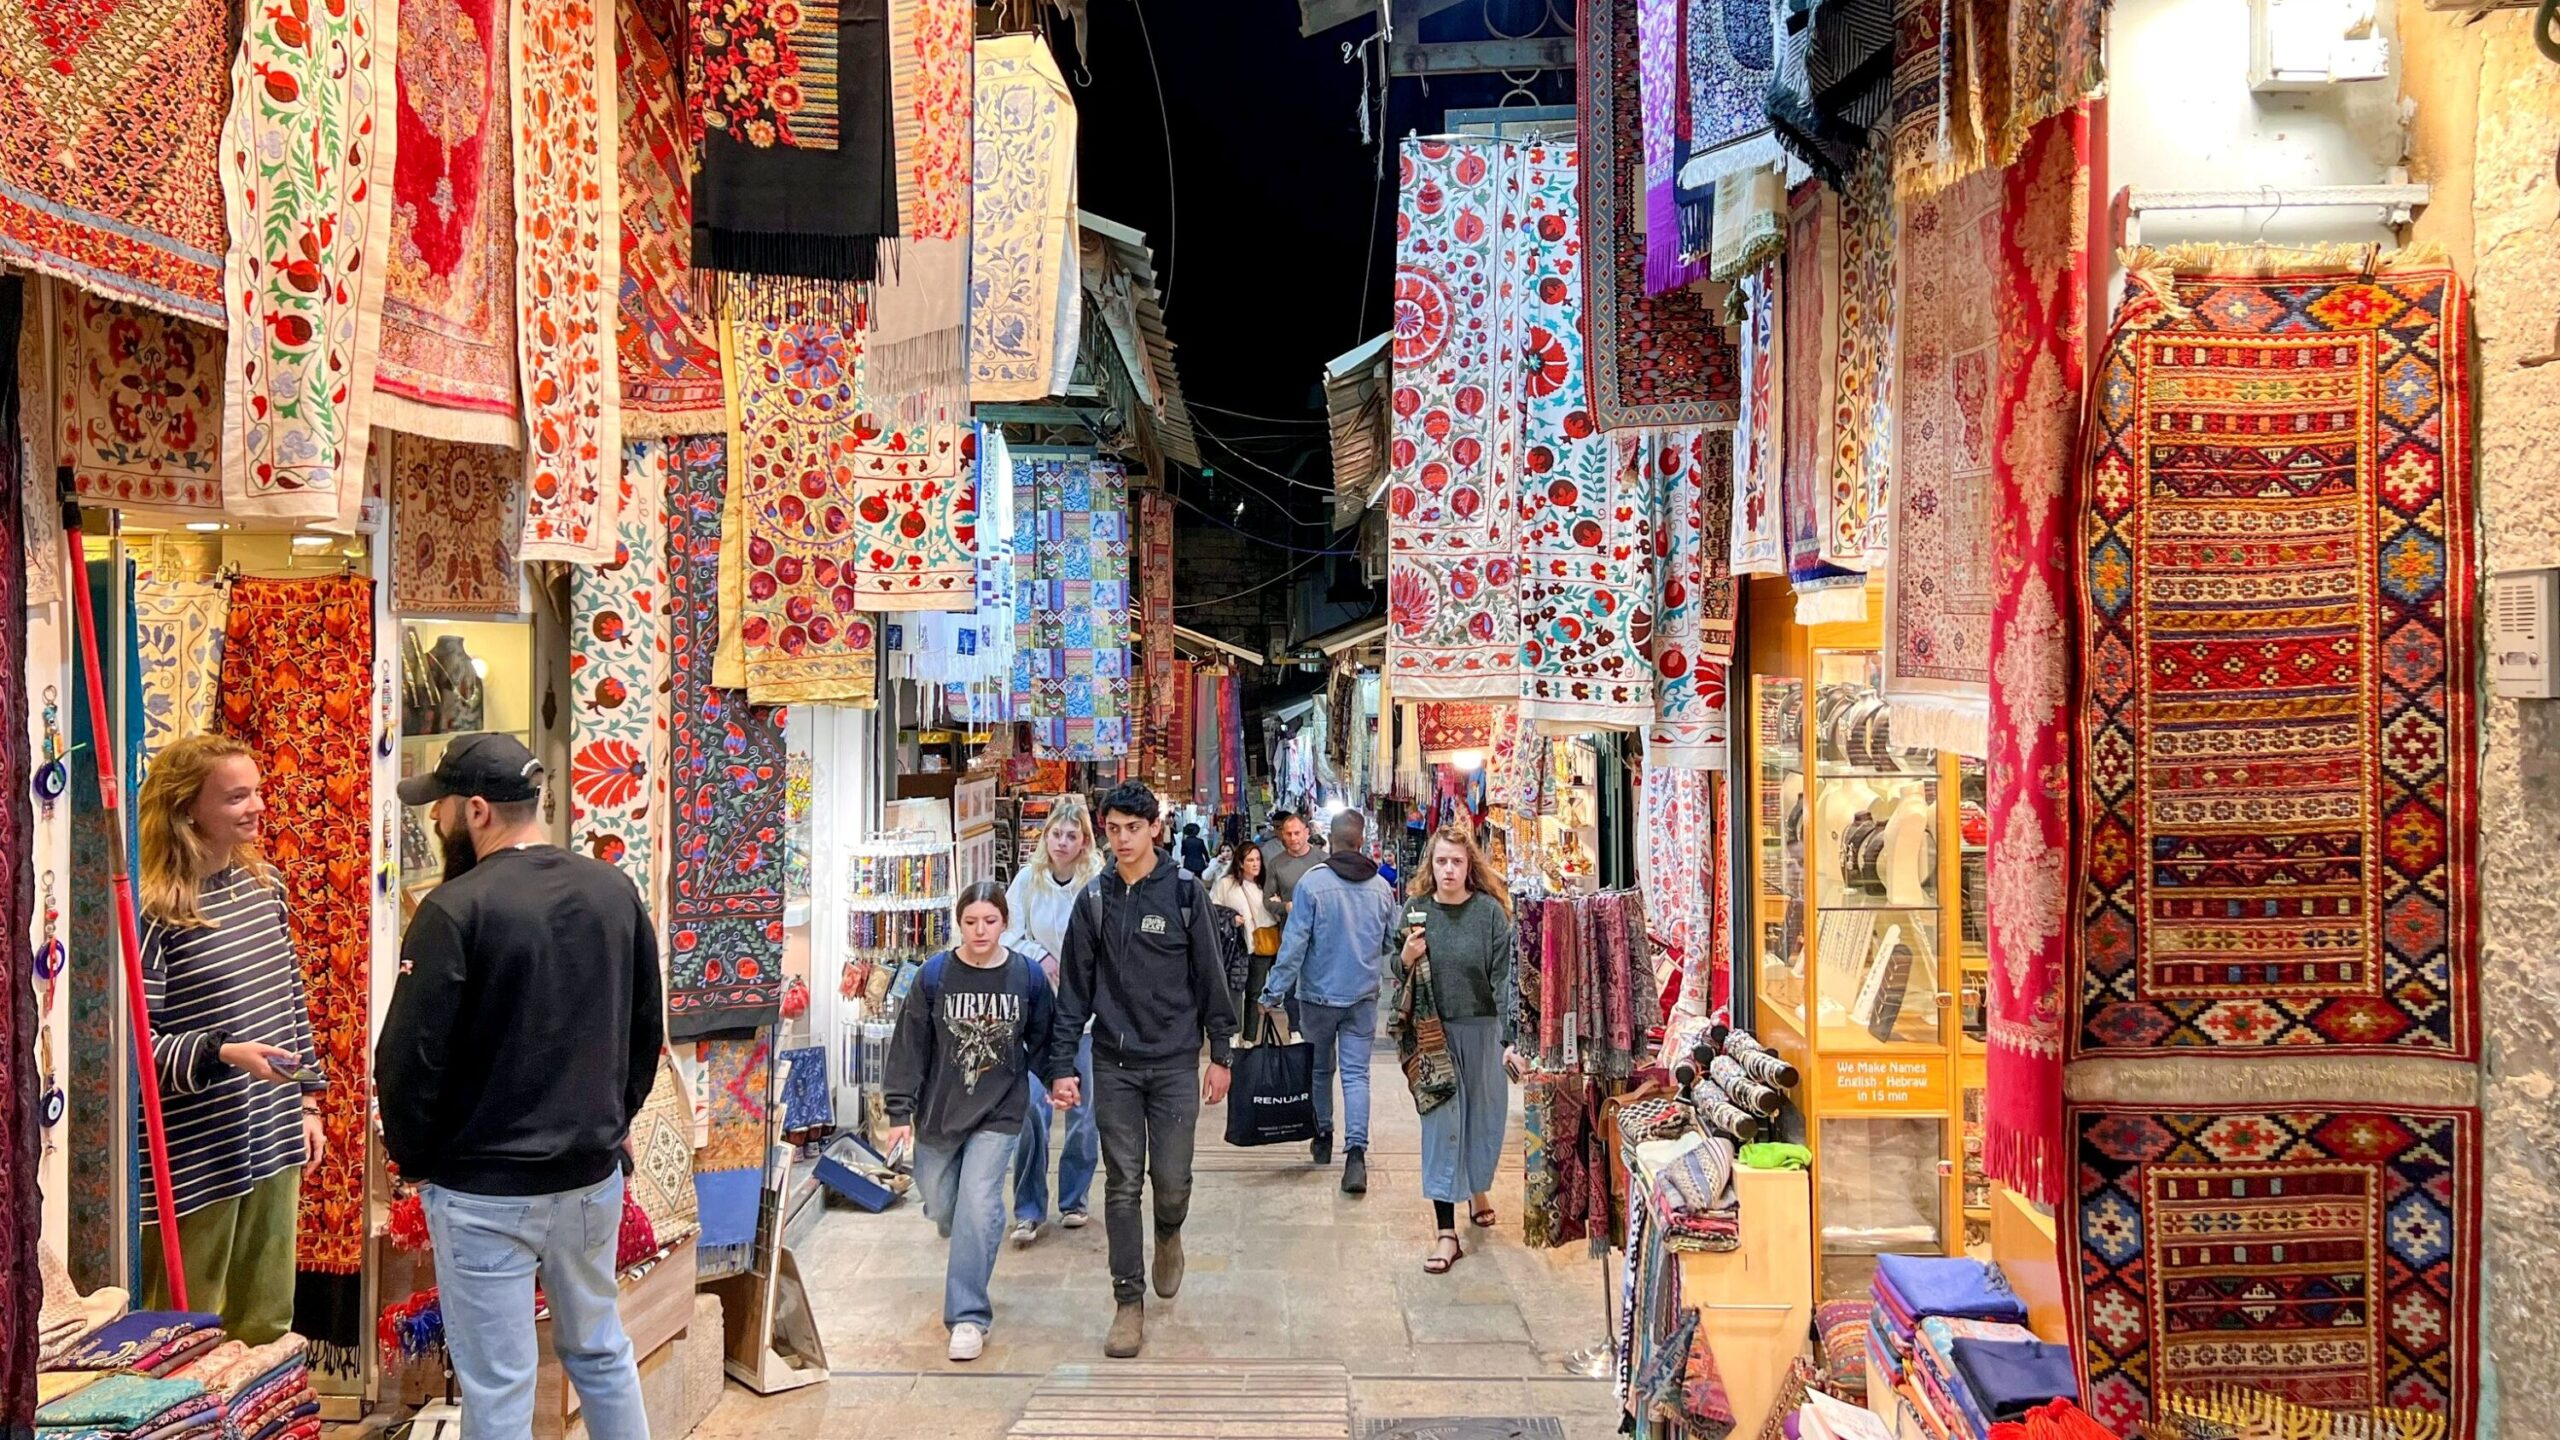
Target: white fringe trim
[[2230, 1077], [1941, 722], [436, 422]]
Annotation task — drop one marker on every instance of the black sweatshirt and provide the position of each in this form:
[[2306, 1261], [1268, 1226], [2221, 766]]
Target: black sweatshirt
[[525, 1027], [965, 1039], [1152, 986]]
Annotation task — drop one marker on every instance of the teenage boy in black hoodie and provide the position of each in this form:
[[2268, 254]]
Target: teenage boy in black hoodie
[[1142, 961]]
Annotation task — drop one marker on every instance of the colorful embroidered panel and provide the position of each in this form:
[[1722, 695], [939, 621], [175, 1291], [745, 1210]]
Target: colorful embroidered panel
[[177, 642], [1858, 501], [1915, 114], [294, 652], [1759, 542], [1023, 241], [931, 74], [1808, 404], [1658, 359], [725, 763], [1662, 85], [455, 513], [303, 277], [1452, 602], [1153, 696], [2278, 811], [1677, 839], [1729, 58], [113, 117], [448, 365], [1937, 623], [1688, 475], [1586, 585], [618, 683], [2330, 1256], [140, 405], [1071, 603], [1446, 728], [669, 348]]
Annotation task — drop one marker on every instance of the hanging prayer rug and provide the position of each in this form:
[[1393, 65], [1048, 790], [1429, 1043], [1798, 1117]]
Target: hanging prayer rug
[[1730, 47], [2329, 1255], [448, 366], [618, 683], [1023, 237], [2279, 822], [303, 278], [140, 403], [110, 118], [725, 762], [1680, 468], [668, 346], [297, 671], [2044, 230], [1071, 578], [1662, 83], [1937, 622], [1808, 407], [1452, 608], [1859, 498], [1586, 582], [1657, 359], [1759, 543], [1450, 726], [177, 637], [455, 515]]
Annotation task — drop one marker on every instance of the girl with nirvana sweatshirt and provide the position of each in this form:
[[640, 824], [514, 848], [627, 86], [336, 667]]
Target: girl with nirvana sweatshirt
[[979, 1020]]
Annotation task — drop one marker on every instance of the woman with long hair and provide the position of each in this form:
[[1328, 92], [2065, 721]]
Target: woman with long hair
[[230, 1036], [1453, 1022], [1241, 893], [969, 1060], [1041, 901]]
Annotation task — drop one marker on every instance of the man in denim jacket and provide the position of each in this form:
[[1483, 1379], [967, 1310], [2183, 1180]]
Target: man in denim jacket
[[1339, 929]]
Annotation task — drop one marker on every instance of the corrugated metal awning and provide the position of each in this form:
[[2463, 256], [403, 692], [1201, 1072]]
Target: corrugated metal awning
[[1134, 314], [1355, 405]]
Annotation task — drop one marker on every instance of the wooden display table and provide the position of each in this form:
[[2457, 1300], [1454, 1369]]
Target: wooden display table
[[1755, 1304]]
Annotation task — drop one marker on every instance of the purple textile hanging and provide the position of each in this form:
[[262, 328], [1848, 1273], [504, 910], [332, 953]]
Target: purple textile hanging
[[1662, 79]]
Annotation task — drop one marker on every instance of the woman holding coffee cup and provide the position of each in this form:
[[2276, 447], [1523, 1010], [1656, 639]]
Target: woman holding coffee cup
[[1454, 1015]]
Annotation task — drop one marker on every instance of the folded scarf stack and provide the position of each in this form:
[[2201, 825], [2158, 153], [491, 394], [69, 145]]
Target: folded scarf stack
[[1843, 1326], [2009, 1377], [1958, 1408], [1909, 1288], [265, 1390], [133, 1407], [1693, 1197], [69, 1317], [149, 1342]]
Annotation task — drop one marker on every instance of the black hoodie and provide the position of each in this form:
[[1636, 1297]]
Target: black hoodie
[[1153, 985]]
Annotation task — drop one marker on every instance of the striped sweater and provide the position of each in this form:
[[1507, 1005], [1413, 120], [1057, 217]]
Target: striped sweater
[[236, 981]]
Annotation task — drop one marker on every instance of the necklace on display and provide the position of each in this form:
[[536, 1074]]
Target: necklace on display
[[53, 777], [49, 958]]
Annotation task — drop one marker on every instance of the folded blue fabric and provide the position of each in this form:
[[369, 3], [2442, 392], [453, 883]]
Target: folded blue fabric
[[728, 1200], [1942, 1285], [2008, 1378]]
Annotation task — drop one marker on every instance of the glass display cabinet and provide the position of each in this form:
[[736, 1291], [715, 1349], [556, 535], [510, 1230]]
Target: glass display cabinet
[[1867, 932], [456, 676]]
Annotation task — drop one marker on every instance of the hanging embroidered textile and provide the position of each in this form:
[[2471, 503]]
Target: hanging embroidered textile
[[1231, 748], [2058, 58], [798, 179], [915, 501], [1154, 697], [140, 403], [1808, 401], [21, 1099], [1071, 603], [1452, 727], [108, 177], [2328, 1254], [728, 1177], [1730, 50], [1759, 542], [2044, 232], [1677, 839], [30, 434], [448, 353], [1658, 358], [568, 277], [1022, 243], [1688, 475], [1937, 621], [618, 683], [1917, 113], [668, 345], [2269, 777], [662, 1158], [724, 767], [297, 664], [1662, 98], [455, 515], [1452, 609], [177, 633], [1857, 502], [917, 351], [303, 275], [1180, 777], [1586, 578]]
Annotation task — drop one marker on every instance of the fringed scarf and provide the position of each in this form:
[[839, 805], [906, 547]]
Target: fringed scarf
[[1422, 1043]]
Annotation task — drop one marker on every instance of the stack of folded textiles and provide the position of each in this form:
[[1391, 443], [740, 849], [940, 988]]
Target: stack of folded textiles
[[1910, 1287], [133, 1407], [69, 1317], [1842, 1326], [1690, 1188], [2007, 1378], [1942, 1387], [151, 1342], [266, 1390]]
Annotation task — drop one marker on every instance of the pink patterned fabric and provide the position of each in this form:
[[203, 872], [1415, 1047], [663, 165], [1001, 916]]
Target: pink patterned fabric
[[1688, 474], [1678, 837]]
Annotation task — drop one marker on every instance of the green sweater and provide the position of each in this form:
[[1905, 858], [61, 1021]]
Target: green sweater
[[1471, 946]]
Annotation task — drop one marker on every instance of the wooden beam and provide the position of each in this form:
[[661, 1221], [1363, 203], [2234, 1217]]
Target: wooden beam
[[1479, 57]]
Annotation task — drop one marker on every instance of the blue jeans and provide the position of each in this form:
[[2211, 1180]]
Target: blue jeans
[[1076, 1163], [488, 1248], [963, 1191], [1352, 1030]]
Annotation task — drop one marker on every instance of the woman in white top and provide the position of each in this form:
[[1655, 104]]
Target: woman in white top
[[1041, 900], [1242, 891]]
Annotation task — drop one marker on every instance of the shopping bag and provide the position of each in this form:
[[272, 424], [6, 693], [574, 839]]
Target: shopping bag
[[1271, 1094]]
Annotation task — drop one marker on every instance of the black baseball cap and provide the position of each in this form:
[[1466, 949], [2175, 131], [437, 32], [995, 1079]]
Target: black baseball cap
[[495, 767]]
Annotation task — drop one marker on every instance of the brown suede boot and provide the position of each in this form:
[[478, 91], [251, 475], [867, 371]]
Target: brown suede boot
[[1168, 1266], [1128, 1330]]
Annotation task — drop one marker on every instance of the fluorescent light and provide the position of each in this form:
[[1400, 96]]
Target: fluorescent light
[[206, 527], [310, 542], [1469, 761]]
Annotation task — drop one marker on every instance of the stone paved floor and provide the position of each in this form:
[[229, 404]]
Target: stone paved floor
[[1282, 1265]]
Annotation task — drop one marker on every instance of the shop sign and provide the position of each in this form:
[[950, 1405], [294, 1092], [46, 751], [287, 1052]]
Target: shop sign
[[1887, 1084]]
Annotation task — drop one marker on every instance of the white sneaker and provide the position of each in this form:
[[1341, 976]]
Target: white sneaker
[[1024, 1233], [968, 1342], [1074, 1219]]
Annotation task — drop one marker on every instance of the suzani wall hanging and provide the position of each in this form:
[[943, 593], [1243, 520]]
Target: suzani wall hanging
[[1808, 406], [1856, 504], [668, 347], [1022, 247], [618, 673], [919, 340], [1688, 477], [1758, 537], [139, 404], [1071, 603], [177, 643], [456, 511]]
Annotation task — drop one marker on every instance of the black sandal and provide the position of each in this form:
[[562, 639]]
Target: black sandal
[[1439, 1264], [1484, 1219]]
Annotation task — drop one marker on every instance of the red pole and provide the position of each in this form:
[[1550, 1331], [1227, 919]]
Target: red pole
[[126, 931]]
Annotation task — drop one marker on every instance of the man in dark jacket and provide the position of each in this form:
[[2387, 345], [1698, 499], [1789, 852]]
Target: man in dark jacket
[[1142, 961], [522, 1039]]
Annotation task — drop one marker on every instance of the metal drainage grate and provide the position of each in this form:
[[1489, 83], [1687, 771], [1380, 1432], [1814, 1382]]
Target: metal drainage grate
[[1189, 1400], [1467, 1427]]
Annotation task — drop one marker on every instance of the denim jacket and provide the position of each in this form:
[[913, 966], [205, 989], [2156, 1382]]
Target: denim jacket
[[1341, 924]]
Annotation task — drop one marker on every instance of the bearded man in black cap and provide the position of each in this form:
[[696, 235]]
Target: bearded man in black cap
[[522, 1039]]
